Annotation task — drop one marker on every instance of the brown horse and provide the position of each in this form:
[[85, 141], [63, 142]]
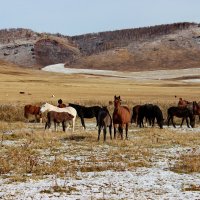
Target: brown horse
[[183, 102], [58, 117], [33, 110], [134, 118], [121, 116]]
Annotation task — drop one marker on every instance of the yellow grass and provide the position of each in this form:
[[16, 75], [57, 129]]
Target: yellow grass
[[45, 153]]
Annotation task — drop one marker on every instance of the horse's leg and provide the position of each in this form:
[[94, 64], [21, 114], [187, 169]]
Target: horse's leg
[[83, 122], [127, 131], [46, 125], [187, 122], [183, 121], [121, 131], [55, 126], [40, 118], [110, 130], [115, 130], [104, 133], [35, 118], [173, 122], [64, 126], [99, 132]]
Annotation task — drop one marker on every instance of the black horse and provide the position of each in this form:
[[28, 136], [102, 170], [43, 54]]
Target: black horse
[[183, 113], [104, 121], [86, 112], [151, 113]]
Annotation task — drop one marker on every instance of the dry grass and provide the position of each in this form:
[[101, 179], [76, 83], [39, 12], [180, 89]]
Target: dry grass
[[40, 153]]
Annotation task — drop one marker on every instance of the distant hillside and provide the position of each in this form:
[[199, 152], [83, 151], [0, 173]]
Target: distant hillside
[[168, 46]]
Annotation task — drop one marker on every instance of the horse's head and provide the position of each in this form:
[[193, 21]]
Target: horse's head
[[44, 107], [117, 101]]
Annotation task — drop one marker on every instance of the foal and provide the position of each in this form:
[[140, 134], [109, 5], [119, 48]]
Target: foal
[[58, 117], [121, 116]]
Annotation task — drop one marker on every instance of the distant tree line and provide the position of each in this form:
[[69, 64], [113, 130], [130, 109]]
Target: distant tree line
[[97, 42]]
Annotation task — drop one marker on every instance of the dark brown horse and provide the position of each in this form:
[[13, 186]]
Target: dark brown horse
[[181, 112], [121, 117], [33, 110], [58, 117], [104, 121], [134, 118]]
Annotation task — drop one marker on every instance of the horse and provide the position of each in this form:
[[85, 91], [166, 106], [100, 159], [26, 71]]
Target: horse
[[48, 107], [104, 121], [33, 110], [158, 115], [134, 118], [86, 112], [58, 117], [183, 113], [121, 116], [145, 111], [183, 102], [61, 104], [150, 112], [190, 105]]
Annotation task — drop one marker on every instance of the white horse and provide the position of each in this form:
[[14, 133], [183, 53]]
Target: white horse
[[69, 109]]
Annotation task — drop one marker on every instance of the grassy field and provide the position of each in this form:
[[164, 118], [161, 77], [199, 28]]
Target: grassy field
[[25, 148]]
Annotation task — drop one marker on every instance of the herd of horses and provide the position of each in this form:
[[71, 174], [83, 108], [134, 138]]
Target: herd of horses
[[121, 117]]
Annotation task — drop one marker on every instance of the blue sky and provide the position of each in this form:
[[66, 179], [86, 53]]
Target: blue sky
[[75, 17]]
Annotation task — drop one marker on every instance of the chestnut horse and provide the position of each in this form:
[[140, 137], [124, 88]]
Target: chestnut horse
[[183, 102], [33, 110], [121, 116]]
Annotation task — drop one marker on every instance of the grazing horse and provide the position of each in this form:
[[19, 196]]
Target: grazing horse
[[121, 116], [145, 111], [150, 112], [70, 110], [104, 121], [33, 110], [134, 118], [58, 117], [86, 112], [183, 113]]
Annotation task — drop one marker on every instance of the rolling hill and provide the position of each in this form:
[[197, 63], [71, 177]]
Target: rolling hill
[[170, 46]]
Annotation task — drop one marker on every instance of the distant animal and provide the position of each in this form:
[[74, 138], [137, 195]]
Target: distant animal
[[69, 109], [183, 103], [190, 105], [134, 118], [121, 117], [104, 121], [32, 110], [183, 113], [61, 104], [86, 112], [58, 117]]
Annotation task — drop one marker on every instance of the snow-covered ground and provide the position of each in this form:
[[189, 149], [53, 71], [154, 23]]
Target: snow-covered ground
[[142, 183], [145, 75]]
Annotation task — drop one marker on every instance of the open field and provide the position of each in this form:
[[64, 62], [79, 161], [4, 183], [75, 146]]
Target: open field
[[153, 164]]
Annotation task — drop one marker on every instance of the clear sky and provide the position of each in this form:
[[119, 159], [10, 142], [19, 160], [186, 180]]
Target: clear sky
[[75, 17]]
